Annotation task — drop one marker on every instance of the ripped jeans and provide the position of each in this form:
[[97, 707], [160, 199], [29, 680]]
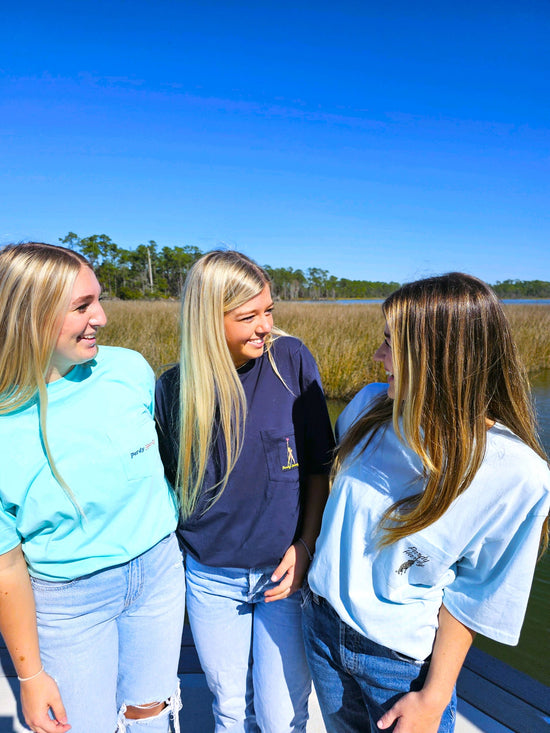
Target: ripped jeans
[[112, 640]]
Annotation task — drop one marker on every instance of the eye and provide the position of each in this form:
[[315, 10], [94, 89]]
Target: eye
[[387, 343], [82, 308]]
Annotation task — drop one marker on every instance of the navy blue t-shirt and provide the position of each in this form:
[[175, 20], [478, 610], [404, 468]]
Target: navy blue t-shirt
[[288, 436]]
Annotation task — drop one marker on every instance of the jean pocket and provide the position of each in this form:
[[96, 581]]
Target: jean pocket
[[53, 586], [409, 660]]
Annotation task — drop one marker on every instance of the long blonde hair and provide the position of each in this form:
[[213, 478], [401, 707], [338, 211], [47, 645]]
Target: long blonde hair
[[211, 395], [455, 368], [36, 283]]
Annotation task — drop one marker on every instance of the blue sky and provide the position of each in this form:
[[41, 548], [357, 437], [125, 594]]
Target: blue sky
[[379, 141]]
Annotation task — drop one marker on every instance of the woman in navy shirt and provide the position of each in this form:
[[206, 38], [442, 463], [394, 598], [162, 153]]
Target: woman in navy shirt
[[246, 439]]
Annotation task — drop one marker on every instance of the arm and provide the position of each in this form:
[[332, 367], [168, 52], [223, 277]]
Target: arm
[[293, 567], [420, 712], [39, 694]]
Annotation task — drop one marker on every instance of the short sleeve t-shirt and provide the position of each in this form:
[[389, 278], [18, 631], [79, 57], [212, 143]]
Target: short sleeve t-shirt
[[102, 437], [478, 558], [288, 437]]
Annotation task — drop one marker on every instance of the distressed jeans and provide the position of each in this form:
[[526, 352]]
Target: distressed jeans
[[112, 639]]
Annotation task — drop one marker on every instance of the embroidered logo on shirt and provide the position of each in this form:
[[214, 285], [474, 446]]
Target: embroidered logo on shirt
[[290, 460], [143, 448], [415, 559]]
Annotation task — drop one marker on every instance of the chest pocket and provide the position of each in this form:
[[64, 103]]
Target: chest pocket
[[136, 446], [280, 453]]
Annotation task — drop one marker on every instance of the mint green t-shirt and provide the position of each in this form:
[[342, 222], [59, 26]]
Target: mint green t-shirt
[[102, 437]]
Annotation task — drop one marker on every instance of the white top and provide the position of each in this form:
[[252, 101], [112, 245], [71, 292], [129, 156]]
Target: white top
[[478, 558]]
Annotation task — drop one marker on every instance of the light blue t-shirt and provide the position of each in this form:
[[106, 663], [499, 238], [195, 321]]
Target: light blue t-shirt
[[101, 434], [478, 558]]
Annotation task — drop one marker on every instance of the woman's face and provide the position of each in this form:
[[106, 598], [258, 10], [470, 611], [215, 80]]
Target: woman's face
[[247, 326], [383, 354], [76, 343]]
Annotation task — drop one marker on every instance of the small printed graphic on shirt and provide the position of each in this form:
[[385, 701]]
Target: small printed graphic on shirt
[[142, 449], [290, 460], [415, 558]]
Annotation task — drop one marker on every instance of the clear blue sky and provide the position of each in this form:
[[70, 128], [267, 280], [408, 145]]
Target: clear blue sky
[[379, 141]]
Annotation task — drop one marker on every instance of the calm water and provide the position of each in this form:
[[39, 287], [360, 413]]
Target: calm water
[[533, 651]]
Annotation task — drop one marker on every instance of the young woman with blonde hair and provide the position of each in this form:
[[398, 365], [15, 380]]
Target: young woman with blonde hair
[[441, 489], [91, 575], [246, 439]]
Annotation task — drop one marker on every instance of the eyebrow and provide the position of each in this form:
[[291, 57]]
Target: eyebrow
[[83, 299], [240, 314]]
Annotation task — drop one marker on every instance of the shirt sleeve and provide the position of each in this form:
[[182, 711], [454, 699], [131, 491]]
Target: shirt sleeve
[[166, 414], [490, 591], [9, 536], [319, 435], [359, 404]]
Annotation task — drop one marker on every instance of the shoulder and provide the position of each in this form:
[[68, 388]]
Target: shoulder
[[169, 380], [291, 350], [514, 462], [118, 356], [359, 404], [288, 346], [123, 364]]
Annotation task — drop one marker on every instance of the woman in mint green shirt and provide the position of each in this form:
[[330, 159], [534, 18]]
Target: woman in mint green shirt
[[91, 578]]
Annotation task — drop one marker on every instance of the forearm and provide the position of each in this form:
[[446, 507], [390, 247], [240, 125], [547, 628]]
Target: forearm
[[315, 499], [452, 642], [17, 614], [420, 712]]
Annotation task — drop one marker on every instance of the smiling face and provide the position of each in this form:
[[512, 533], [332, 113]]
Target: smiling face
[[247, 326], [76, 343], [384, 355]]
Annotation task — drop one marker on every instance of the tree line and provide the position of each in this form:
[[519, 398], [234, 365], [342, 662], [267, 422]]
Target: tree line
[[149, 271]]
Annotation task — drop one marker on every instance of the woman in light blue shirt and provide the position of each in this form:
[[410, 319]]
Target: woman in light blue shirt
[[441, 490], [91, 576]]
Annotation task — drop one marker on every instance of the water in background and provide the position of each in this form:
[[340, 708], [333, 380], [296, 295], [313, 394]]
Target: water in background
[[532, 655]]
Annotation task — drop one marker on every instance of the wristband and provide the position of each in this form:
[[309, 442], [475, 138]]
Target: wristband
[[301, 539], [26, 679]]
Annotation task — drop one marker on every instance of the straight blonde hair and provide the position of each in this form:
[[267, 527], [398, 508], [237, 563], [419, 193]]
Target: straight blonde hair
[[456, 367], [211, 396], [36, 283]]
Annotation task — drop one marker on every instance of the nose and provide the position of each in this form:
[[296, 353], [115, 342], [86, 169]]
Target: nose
[[98, 317], [265, 325], [380, 353]]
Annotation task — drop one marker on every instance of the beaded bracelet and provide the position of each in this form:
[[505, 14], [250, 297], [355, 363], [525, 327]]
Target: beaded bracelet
[[301, 539], [26, 679]]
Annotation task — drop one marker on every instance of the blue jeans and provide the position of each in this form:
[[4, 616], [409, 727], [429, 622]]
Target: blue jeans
[[252, 652], [113, 638], [357, 680]]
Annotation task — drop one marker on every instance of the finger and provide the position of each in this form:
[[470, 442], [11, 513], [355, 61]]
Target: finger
[[283, 587], [387, 719], [278, 597], [281, 570]]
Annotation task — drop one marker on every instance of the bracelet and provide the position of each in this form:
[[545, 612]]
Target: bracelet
[[26, 679], [301, 539]]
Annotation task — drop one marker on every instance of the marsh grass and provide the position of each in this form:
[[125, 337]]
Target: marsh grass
[[342, 338]]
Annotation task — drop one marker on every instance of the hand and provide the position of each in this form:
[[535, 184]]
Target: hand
[[291, 572], [414, 714], [38, 697]]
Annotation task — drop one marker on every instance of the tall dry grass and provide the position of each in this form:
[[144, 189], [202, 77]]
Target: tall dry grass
[[342, 338]]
